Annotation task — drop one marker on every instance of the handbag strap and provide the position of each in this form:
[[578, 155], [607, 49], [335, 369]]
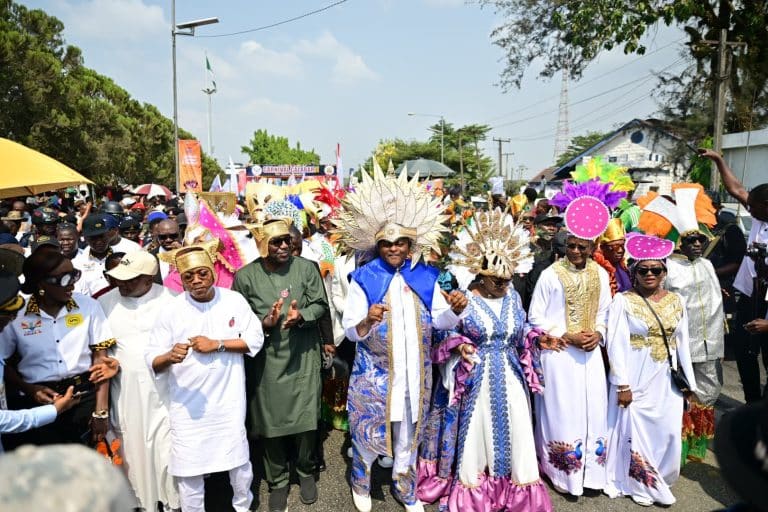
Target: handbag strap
[[661, 326]]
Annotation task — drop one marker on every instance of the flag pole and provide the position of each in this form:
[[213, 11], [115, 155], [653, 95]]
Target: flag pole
[[209, 90]]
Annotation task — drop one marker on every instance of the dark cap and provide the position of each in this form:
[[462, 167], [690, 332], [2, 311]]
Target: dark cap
[[94, 225], [543, 217], [44, 240], [11, 261], [45, 216], [130, 222], [10, 300]]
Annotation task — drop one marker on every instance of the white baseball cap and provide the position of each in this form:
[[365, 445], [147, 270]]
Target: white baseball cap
[[135, 264]]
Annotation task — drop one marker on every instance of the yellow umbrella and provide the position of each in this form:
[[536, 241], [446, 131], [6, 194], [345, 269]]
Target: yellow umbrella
[[24, 171]]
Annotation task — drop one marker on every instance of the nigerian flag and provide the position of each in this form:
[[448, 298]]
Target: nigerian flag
[[210, 73]]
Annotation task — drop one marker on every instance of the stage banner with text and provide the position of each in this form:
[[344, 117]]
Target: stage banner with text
[[190, 165]]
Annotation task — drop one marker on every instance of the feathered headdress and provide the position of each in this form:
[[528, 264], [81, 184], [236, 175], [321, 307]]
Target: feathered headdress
[[383, 207], [490, 244], [692, 208], [606, 172]]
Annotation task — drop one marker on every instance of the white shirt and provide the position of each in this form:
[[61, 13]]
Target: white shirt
[[126, 246], [92, 269], [743, 280], [55, 348], [406, 373], [165, 268], [207, 391]]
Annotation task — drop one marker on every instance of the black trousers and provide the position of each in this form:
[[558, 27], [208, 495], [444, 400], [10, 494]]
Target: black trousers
[[747, 348]]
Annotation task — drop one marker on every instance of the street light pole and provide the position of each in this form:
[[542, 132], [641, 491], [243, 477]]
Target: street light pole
[[182, 29]]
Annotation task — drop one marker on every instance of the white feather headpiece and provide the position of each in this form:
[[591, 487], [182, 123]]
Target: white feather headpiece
[[490, 244], [389, 207]]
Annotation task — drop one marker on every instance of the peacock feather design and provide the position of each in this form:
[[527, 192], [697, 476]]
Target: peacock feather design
[[565, 456], [601, 451], [642, 471]]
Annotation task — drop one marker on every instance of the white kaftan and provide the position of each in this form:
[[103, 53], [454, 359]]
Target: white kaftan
[[207, 391], [645, 438], [406, 376], [571, 430], [139, 403]]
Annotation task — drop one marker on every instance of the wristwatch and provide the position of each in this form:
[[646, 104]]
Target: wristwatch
[[221, 348]]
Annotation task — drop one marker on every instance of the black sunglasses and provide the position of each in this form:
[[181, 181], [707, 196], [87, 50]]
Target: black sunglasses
[[63, 280], [690, 240], [172, 236], [277, 242], [646, 270]]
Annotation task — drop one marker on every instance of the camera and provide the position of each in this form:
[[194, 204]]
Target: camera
[[757, 251]]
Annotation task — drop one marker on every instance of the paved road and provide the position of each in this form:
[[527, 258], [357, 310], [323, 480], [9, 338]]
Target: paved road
[[700, 487]]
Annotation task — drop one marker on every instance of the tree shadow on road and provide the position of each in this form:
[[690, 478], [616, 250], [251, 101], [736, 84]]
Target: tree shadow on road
[[710, 482]]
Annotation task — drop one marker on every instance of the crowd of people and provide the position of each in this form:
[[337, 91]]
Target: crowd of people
[[478, 352]]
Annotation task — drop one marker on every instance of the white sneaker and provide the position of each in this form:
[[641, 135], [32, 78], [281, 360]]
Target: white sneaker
[[416, 507], [642, 501], [362, 503], [349, 452], [386, 462]]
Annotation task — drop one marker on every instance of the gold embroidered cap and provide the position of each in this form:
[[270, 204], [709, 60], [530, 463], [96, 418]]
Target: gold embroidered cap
[[193, 256], [391, 232], [614, 232], [265, 232]]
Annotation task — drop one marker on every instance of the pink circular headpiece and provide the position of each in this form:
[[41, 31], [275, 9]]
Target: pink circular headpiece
[[587, 217], [647, 247]]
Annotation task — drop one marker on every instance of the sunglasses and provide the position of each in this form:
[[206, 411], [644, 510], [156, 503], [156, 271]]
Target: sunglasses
[[644, 271], [499, 282], [580, 247], [690, 240], [63, 280], [277, 242], [172, 236]]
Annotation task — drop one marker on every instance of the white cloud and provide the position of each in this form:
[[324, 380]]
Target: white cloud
[[272, 110], [348, 66], [259, 59], [113, 20]]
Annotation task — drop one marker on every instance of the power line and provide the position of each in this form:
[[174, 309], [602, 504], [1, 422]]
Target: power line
[[581, 84], [277, 24], [634, 81]]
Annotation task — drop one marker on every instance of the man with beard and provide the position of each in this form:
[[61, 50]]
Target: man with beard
[[199, 341], [283, 385], [139, 403], [68, 238], [694, 278], [90, 261]]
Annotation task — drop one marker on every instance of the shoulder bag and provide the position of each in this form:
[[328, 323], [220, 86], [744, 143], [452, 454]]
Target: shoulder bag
[[678, 377]]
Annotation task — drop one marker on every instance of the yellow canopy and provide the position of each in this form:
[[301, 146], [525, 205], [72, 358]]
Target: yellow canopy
[[24, 171]]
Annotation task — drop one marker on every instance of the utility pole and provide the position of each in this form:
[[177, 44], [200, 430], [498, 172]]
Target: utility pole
[[461, 162], [721, 81], [209, 90], [507, 170], [500, 141]]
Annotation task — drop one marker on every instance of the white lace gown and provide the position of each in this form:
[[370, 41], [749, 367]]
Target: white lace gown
[[645, 438]]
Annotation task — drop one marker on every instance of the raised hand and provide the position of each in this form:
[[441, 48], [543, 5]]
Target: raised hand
[[273, 316], [293, 317], [455, 299]]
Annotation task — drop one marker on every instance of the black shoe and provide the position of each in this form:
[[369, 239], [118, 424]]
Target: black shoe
[[308, 490], [278, 499]]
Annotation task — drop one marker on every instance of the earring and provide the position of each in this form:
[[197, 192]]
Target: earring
[[41, 292]]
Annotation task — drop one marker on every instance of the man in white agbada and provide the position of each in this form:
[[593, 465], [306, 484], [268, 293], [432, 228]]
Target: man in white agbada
[[571, 301], [200, 340], [139, 409]]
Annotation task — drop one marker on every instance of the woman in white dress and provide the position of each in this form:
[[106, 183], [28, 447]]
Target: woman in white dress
[[645, 406], [478, 452]]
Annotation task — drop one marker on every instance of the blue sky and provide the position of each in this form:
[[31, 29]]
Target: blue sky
[[349, 74]]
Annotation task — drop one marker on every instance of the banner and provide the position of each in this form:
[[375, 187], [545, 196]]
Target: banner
[[190, 166]]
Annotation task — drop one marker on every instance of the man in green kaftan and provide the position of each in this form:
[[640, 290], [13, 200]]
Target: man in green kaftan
[[283, 381]]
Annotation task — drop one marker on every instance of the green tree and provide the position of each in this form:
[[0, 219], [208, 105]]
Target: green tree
[[461, 147], [264, 148], [51, 102], [579, 144], [569, 35]]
